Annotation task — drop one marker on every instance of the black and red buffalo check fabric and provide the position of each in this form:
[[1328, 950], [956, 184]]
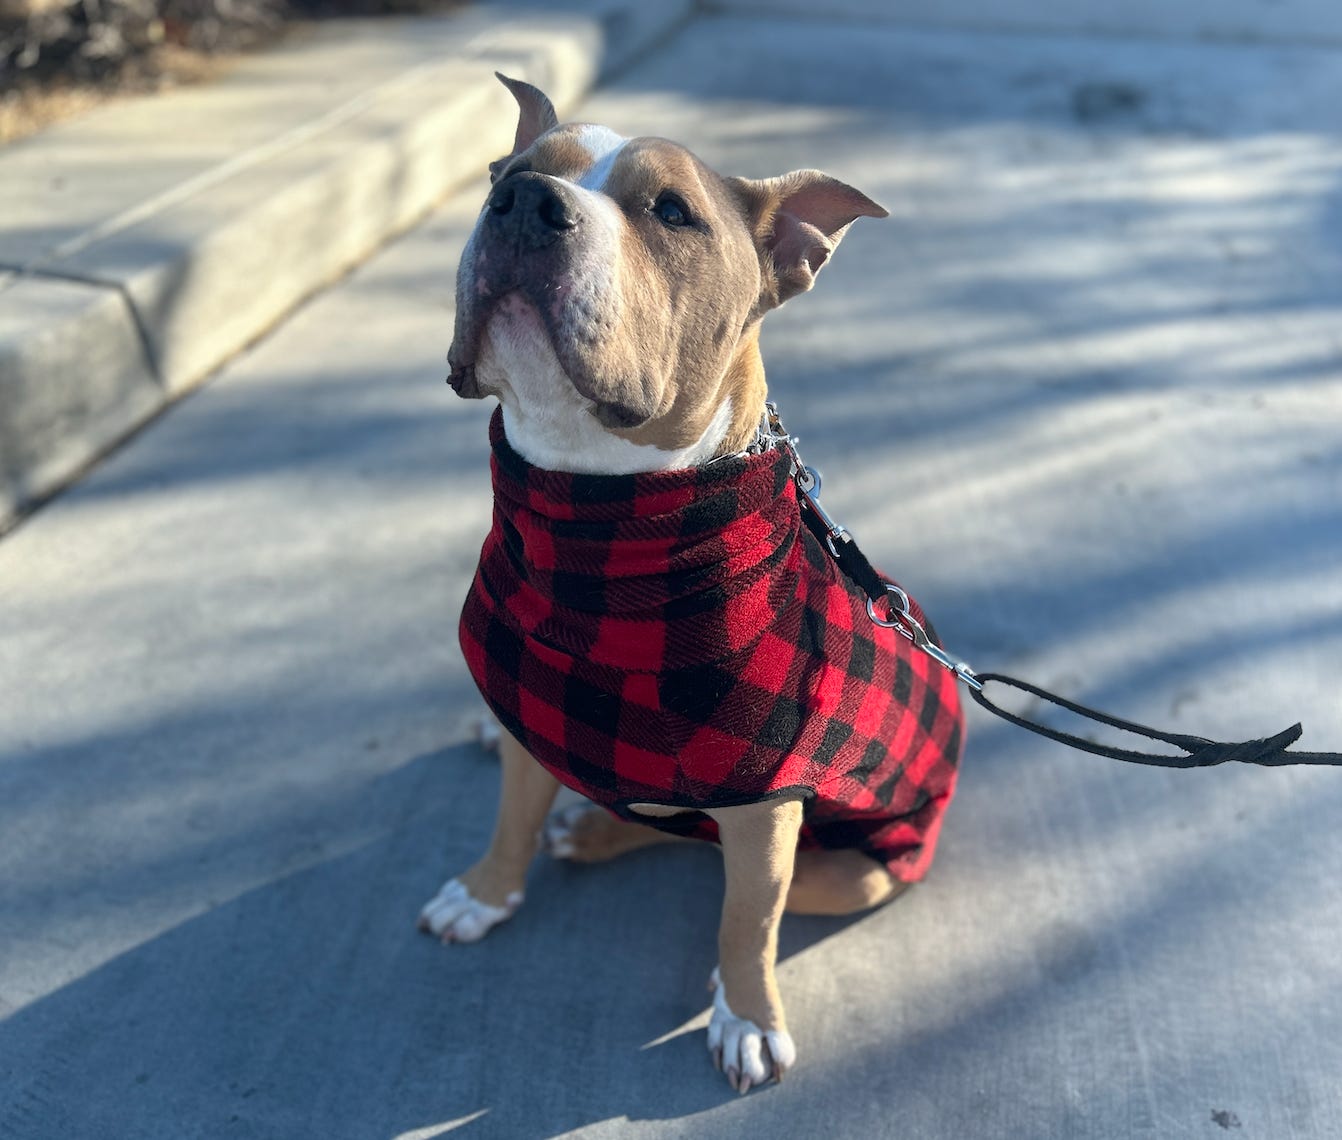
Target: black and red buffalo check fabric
[[678, 637]]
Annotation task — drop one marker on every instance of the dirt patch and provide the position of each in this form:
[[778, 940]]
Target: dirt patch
[[26, 108], [61, 60]]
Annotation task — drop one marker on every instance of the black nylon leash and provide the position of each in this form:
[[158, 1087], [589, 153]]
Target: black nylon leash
[[1197, 751]]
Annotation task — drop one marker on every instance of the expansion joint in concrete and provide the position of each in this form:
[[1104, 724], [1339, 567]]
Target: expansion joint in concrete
[[22, 272]]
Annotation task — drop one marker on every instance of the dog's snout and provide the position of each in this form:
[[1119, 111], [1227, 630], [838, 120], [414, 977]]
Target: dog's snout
[[503, 198], [532, 208], [554, 212]]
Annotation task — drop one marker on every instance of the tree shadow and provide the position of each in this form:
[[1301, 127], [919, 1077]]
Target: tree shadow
[[1127, 487], [309, 1005]]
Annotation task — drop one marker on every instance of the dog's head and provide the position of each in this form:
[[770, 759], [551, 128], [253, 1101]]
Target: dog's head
[[611, 292]]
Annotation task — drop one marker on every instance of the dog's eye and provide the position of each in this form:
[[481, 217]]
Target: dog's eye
[[671, 211]]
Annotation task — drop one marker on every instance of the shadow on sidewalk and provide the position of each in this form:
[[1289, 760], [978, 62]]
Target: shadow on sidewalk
[[310, 1006]]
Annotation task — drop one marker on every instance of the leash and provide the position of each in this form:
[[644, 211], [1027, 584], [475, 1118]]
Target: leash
[[1197, 751]]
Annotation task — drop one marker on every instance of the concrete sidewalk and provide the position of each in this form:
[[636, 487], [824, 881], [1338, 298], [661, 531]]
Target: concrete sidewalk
[[144, 244], [1303, 23], [1082, 392]]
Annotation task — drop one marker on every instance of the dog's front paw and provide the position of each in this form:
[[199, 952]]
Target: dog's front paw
[[454, 915], [749, 1055]]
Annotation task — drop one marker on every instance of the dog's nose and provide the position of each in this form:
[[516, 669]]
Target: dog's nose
[[533, 208]]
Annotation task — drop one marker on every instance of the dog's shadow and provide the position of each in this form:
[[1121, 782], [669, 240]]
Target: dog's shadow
[[309, 1005]]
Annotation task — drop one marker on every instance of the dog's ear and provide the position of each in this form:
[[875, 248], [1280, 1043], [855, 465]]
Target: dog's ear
[[536, 115], [797, 220]]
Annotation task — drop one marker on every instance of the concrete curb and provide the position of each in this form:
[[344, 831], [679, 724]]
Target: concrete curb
[[142, 247]]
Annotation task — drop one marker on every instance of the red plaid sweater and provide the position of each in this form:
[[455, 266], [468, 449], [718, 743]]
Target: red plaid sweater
[[678, 637]]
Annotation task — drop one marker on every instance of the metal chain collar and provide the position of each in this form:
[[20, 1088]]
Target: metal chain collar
[[899, 614]]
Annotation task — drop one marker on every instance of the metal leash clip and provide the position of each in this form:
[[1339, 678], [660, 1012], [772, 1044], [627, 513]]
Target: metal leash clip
[[806, 478], [902, 620]]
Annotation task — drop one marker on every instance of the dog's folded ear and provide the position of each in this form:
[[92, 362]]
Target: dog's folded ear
[[536, 115], [797, 221]]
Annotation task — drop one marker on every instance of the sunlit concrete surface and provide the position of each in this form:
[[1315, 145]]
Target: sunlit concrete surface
[[1082, 394], [1234, 21]]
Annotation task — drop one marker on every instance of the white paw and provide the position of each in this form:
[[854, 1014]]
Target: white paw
[[750, 1055], [557, 836], [454, 916]]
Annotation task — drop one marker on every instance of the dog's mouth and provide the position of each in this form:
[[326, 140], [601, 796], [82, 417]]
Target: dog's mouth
[[476, 304], [461, 358], [544, 308], [498, 312]]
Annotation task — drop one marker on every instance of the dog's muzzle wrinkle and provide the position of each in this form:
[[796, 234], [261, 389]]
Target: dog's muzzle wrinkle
[[532, 210]]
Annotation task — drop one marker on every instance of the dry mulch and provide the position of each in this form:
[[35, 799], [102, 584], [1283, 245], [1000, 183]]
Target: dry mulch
[[30, 107], [67, 60]]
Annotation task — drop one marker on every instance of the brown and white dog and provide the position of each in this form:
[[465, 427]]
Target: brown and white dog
[[610, 297]]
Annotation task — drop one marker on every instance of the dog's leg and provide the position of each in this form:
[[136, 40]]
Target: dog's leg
[[840, 882], [470, 905], [586, 833], [747, 1034]]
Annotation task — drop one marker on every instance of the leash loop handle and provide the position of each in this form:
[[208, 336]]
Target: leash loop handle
[[1199, 752]]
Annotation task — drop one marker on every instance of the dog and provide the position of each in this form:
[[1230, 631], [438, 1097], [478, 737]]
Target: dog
[[650, 623]]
